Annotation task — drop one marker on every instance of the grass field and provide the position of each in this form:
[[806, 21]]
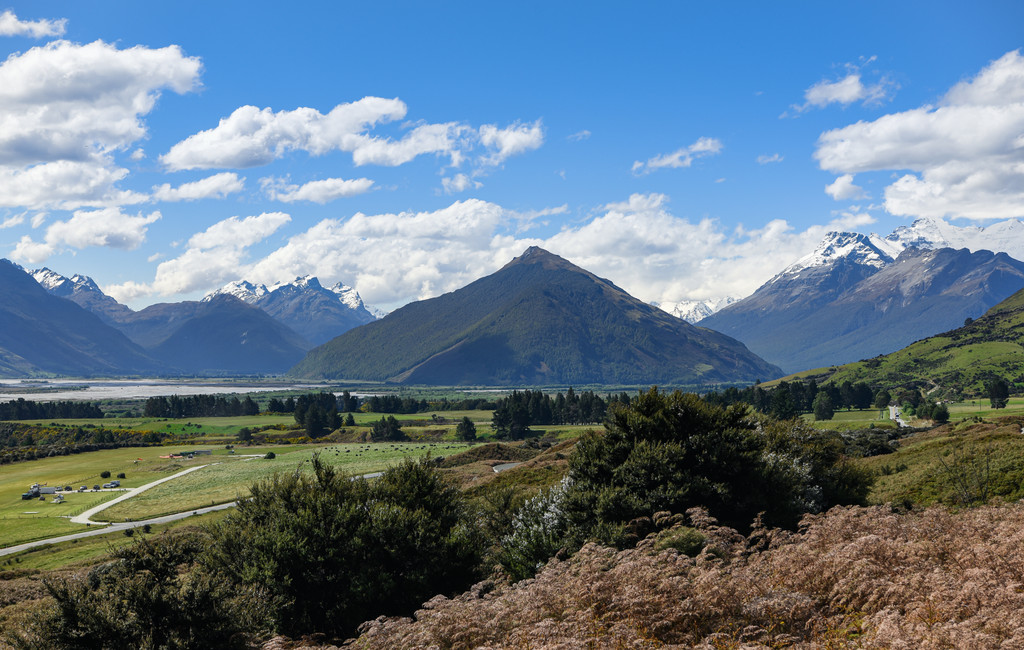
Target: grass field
[[230, 480], [23, 521], [856, 419]]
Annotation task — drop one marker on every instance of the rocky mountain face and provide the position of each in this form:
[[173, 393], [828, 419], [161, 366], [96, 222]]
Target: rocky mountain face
[[317, 313], [81, 290], [858, 296], [41, 333], [538, 320]]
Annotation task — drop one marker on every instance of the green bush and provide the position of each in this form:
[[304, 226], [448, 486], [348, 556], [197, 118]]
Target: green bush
[[332, 552], [105, 474], [147, 598]]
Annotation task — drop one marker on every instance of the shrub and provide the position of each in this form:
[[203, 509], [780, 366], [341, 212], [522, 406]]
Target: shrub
[[105, 474], [355, 549], [146, 598], [121, 475], [270, 455]]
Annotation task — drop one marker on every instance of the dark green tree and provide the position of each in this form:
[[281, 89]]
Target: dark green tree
[[387, 429], [782, 404], [350, 420], [882, 399], [465, 430], [998, 392], [823, 407]]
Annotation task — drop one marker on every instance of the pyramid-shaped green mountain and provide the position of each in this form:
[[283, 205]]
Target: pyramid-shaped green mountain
[[539, 320]]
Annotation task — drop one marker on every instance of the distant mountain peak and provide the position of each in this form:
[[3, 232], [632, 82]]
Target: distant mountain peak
[[693, 311], [869, 250]]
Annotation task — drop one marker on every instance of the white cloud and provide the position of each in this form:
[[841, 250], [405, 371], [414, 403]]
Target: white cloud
[[108, 228], [510, 141], [459, 183], [217, 186], [965, 155], [322, 191], [579, 136], [680, 158], [66, 108], [39, 219], [766, 159], [639, 244], [138, 154], [250, 136], [843, 189], [11, 222], [212, 257], [11, 26], [128, 291], [847, 90]]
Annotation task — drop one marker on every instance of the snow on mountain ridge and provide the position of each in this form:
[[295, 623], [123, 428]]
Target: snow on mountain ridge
[[252, 293], [1001, 237], [870, 250], [692, 311]]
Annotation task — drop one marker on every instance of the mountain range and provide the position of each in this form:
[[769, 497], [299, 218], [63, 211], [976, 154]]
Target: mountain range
[[1001, 237], [857, 296], [539, 320], [42, 333], [318, 314], [241, 329]]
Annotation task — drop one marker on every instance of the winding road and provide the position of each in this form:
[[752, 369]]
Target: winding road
[[107, 528]]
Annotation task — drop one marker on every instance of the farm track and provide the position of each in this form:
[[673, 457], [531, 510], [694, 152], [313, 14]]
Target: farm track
[[108, 528]]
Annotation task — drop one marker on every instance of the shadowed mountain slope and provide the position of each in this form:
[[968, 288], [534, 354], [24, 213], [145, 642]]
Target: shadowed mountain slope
[[42, 333], [538, 320]]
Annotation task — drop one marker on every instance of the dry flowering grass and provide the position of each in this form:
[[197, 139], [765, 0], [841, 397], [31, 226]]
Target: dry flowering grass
[[851, 578]]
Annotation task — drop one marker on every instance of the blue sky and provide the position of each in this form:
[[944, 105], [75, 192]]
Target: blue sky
[[683, 150]]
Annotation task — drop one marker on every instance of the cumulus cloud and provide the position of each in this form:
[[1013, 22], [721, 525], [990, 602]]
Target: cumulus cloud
[[65, 108], [10, 25], [251, 137], [108, 228], [767, 160], [459, 183], [322, 191], [211, 258], [680, 158], [965, 155], [509, 141], [392, 259], [217, 186], [843, 189]]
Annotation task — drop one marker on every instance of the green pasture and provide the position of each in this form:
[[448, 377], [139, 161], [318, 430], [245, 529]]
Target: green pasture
[[231, 479], [90, 550], [227, 477], [27, 520], [854, 419], [982, 408]]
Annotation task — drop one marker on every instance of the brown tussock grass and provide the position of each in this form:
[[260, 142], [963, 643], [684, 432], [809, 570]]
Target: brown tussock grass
[[851, 578]]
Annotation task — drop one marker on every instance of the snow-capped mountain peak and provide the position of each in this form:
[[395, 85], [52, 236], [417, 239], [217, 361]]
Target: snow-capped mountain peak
[[245, 291], [301, 282], [49, 279], [348, 296], [869, 250], [57, 284], [692, 311], [1003, 236]]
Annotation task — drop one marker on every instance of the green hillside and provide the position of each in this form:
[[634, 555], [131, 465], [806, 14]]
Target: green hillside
[[954, 362]]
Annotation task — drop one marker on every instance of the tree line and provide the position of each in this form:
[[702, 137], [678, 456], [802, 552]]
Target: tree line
[[514, 414], [197, 406], [22, 409]]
